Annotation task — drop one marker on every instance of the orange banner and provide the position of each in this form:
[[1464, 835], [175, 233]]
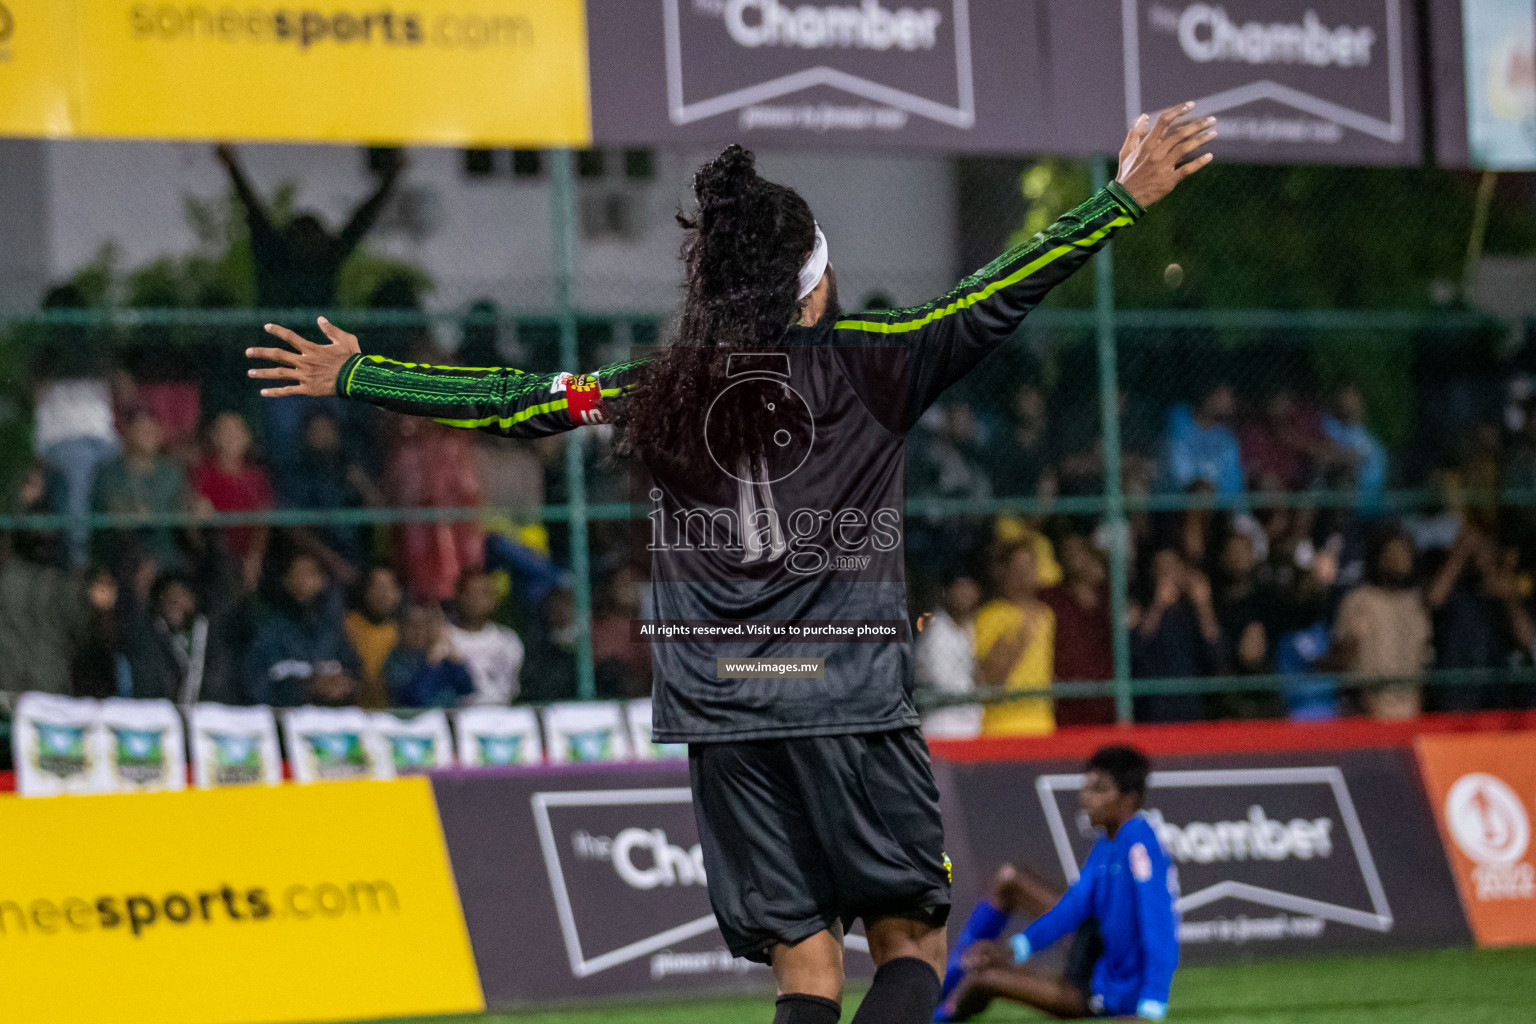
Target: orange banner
[[1483, 789]]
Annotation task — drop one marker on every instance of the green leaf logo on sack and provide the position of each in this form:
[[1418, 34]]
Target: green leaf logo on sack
[[236, 758], [61, 750], [500, 750], [140, 754], [338, 755], [412, 754], [590, 745]]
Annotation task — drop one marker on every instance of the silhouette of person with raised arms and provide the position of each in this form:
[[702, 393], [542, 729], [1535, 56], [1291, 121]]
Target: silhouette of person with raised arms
[[299, 264]]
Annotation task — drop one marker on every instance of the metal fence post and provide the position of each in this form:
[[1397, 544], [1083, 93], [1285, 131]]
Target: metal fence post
[[562, 181], [1109, 410]]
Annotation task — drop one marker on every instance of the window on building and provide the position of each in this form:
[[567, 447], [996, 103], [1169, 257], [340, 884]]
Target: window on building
[[640, 164], [479, 163], [527, 163], [590, 163], [382, 159]]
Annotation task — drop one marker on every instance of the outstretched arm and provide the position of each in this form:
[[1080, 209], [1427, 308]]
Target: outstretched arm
[[1157, 922], [1058, 922], [500, 400], [365, 215], [255, 210], [945, 338]]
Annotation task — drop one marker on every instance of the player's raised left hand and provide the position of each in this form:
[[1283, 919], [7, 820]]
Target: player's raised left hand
[[1156, 154], [313, 366]]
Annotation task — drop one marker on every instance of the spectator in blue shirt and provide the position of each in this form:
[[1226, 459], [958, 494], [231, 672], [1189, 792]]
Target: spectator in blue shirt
[[300, 653], [425, 670], [1201, 445], [1120, 910], [1363, 455]]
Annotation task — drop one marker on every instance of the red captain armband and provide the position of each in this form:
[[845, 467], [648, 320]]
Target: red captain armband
[[584, 399]]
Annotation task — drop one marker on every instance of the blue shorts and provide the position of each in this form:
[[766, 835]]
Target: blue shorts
[[1099, 1006], [1120, 1005], [1082, 958]]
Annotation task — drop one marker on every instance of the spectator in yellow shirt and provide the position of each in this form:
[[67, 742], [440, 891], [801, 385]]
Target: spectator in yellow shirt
[[1015, 648], [373, 628], [1011, 530]]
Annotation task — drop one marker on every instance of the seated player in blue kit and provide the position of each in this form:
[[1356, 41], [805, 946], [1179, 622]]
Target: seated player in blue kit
[[1120, 910]]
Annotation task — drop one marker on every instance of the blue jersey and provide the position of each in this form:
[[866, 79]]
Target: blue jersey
[[1128, 887]]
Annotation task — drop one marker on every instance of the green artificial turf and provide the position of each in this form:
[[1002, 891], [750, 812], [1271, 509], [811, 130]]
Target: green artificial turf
[[1448, 987]]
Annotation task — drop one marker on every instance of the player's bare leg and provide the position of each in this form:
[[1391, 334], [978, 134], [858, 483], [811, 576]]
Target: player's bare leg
[[1048, 993], [809, 976], [909, 960], [1014, 891], [1021, 891], [891, 938]]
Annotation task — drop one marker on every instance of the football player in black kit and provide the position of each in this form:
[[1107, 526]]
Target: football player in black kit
[[772, 430]]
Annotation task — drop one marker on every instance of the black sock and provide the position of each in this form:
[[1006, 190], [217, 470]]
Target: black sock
[[796, 1008], [905, 991]]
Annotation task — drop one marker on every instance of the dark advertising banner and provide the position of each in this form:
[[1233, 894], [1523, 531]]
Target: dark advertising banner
[[1277, 854], [945, 74], [1332, 81], [587, 882], [1293, 80]]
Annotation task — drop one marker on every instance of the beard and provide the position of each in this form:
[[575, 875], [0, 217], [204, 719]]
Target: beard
[[834, 308]]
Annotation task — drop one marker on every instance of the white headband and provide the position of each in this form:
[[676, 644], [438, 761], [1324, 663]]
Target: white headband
[[816, 266]]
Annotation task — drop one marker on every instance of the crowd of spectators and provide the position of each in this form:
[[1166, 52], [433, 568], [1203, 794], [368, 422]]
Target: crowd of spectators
[[1342, 607], [1330, 607], [163, 601], [1347, 605], [1290, 589], [316, 608], [408, 615]]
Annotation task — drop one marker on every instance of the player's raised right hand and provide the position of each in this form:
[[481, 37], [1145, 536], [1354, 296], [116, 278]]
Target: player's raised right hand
[[1155, 157], [312, 366]]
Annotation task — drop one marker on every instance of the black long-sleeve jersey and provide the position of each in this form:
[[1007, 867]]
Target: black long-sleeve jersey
[[787, 555]]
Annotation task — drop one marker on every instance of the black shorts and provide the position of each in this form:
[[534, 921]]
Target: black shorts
[[1083, 956], [800, 834]]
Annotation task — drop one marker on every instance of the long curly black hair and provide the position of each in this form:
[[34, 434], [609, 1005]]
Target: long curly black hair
[[742, 251]]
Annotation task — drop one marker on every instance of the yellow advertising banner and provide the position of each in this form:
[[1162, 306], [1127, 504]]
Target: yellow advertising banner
[[266, 904], [38, 61], [455, 72]]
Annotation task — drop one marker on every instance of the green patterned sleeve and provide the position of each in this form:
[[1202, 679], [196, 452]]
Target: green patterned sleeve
[[946, 338], [499, 400]]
